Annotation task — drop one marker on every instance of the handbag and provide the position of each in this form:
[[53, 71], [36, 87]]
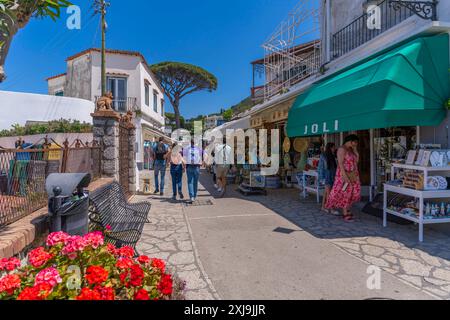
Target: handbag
[[352, 176]]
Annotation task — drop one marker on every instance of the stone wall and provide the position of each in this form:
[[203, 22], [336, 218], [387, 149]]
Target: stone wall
[[106, 132]]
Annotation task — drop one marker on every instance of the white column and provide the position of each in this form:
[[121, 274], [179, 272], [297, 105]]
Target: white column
[[328, 29]]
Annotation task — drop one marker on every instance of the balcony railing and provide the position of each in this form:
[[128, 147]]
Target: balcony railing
[[124, 105], [358, 32]]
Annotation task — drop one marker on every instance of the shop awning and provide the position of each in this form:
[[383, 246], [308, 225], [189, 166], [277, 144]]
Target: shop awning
[[243, 123], [407, 86]]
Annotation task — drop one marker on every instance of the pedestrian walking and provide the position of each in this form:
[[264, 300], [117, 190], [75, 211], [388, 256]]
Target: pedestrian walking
[[195, 158], [177, 167], [223, 159], [160, 165], [327, 173], [347, 187]]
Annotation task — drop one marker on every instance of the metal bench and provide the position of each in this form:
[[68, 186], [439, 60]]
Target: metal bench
[[111, 210]]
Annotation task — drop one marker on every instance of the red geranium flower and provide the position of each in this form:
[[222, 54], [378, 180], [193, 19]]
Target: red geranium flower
[[124, 263], [96, 275], [132, 277], [127, 252], [88, 294], [142, 295], [39, 257], [160, 264], [111, 249], [9, 283], [38, 292], [106, 293], [9, 264], [137, 275], [143, 260], [165, 286]]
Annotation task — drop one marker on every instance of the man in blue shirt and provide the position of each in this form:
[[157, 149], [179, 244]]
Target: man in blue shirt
[[160, 165], [195, 158]]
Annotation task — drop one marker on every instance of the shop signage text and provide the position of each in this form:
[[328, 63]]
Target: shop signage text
[[321, 128]]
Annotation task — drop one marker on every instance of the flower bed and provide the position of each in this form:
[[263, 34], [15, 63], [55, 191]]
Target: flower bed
[[86, 268]]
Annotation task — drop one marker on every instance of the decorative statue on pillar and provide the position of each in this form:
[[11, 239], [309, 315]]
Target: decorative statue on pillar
[[128, 117], [105, 103]]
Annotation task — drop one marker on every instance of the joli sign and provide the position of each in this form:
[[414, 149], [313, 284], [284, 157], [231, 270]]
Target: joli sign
[[321, 128]]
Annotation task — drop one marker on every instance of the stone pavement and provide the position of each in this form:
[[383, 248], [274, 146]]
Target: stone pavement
[[394, 249], [168, 237], [232, 233]]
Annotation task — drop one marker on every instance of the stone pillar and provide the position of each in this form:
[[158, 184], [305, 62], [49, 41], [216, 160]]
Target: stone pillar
[[106, 135]]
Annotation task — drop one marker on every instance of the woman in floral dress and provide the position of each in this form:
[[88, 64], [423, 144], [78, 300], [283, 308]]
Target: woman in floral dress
[[347, 186]]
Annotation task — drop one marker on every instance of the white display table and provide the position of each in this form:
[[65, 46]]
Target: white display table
[[417, 194], [425, 170], [317, 189]]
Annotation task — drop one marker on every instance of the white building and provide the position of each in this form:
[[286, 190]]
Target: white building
[[213, 121], [132, 84]]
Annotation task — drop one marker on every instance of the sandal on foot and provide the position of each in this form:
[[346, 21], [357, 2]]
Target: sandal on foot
[[349, 218]]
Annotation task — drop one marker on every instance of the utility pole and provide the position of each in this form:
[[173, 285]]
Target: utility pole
[[100, 7]]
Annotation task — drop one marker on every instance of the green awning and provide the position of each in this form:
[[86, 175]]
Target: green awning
[[407, 86]]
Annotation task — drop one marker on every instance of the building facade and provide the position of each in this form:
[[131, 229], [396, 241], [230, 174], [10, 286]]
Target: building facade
[[212, 122], [132, 84], [364, 44]]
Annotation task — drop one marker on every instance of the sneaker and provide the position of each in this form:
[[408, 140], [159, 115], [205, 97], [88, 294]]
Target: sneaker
[[181, 196], [161, 193], [219, 190], [156, 192], [216, 186], [174, 198], [191, 200]]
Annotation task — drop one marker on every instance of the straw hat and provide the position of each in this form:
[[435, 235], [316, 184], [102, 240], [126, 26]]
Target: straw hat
[[300, 145]]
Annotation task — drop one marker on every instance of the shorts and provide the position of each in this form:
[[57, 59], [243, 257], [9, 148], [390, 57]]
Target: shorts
[[329, 178], [222, 171]]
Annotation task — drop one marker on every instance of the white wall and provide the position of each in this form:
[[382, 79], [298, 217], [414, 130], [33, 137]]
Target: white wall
[[121, 64], [145, 75], [16, 107]]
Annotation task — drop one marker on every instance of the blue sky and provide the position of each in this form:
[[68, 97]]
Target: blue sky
[[220, 36]]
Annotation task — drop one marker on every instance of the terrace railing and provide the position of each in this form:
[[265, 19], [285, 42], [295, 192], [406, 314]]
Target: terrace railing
[[392, 13], [123, 105], [23, 174]]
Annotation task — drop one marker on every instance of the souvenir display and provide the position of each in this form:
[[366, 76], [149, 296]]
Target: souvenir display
[[287, 145], [432, 183], [411, 157], [300, 145], [413, 180], [426, 158], [439, 159], [420, 157]]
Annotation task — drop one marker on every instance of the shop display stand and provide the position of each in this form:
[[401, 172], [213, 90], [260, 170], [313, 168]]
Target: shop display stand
[[421, 195], [317, 189]]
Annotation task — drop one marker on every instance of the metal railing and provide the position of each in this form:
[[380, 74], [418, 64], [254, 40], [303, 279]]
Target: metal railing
[[23, 174], [123, 105], [282, 78], [358, 32]]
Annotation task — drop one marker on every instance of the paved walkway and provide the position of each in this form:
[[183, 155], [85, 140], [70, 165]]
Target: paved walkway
[[281, 247], [168, 237]]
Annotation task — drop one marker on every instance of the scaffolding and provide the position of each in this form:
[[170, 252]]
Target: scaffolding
[[293, 52]]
